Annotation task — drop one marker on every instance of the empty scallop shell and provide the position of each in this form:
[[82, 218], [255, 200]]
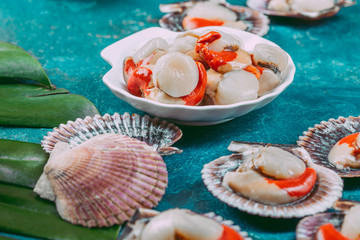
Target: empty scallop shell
[[159, 134], [262, 6], [142, 216], [102, 181], [328, 187], [319, 140], [256, 22]]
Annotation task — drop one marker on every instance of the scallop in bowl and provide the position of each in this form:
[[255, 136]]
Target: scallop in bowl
[[221, 73]]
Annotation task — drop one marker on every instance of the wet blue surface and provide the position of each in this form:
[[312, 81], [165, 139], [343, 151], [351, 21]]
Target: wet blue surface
[[68, 36]]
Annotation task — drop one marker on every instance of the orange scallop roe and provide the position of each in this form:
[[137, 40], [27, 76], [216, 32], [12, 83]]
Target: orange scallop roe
[[230, 234], [350, 139], [297, 187], [191, 23], [329, 232]]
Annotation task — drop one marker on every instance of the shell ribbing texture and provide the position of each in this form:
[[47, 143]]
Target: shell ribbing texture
[[157, 133], [319, 140], [104, 180]]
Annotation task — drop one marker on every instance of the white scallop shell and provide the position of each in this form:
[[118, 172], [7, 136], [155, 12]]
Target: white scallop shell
[[261, 6], [142, 216], [159, 134], [328, 187], [257, 23], [319, 140], [102, 181]]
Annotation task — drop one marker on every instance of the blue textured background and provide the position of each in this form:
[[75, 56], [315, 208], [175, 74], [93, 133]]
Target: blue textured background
[[67, 38]]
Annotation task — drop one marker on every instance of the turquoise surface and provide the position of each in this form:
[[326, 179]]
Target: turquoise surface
[[68, 36]]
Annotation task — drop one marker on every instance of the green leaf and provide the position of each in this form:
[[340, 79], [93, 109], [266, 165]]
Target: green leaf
[[24, 213], [21, 163], [16, 63], [33, 106]]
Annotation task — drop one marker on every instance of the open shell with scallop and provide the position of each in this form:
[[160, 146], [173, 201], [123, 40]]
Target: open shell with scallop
[[320, 139], [309, 227], [326, 189], [138, 225], [309, 10], [244, 18], [159, 134]]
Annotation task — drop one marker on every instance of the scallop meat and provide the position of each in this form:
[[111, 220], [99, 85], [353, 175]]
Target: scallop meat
[[341, 224], [180, 224], [334, 145], [302, 9], [188, 15], [278, 181]]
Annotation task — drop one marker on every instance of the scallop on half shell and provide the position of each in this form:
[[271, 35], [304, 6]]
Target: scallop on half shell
[[159, 134], [327, 189], [102, 181], [254, 22], [263, 6], [307, 228], [133, 229], [319, 140]]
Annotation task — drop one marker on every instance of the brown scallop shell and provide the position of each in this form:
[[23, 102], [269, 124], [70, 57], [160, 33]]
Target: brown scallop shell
[[344, 205], [328, 187], [261, 6], [319, 140], [159, 134], [142, 216], [257, 23]]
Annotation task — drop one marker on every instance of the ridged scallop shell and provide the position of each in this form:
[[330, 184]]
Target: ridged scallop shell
[[261, 6], [319, 140], [257, 23], [102, 181], [159, 134], [328, 187], [142, 216]]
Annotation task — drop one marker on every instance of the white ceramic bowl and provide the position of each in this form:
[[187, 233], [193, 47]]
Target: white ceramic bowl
[[188, 115]]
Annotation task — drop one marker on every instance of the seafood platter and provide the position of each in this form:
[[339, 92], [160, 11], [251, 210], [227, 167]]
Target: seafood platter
[[108, 170], [136, 177], [189, 15], [303, 9], [147, 74]]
